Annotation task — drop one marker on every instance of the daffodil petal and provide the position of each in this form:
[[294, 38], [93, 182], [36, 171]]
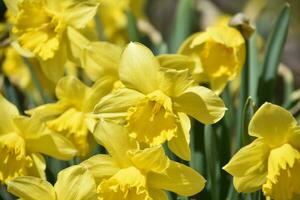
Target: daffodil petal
[[116, 141], [224, 35], [176, 61], [75, 44], [31, 188], [202, 104], [119, 101], [39, 166], [61, 148], [7, 112], [185, 47], [151, 159], [158, 194], [30, 127], [53, 68], [175, 82], [79, 13], [273, 123], [71, 90], [12, 6], [180, 144], [101, 59], [249, 183], [177, 178], [250, 159], [218, 84], [101, 87], [75, 183], [139, 68], [101, 166], [47, 110], [294, 139]]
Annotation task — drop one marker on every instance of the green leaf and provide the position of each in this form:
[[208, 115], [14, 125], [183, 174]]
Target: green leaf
[[36, 82], [255, 68], [182, 25], [212, 162], [133, 32], [273, 53]]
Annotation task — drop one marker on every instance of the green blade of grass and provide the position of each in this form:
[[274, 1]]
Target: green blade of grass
[[212, 162], [182, 25], [133, 32], [255, 69], [273, 53]]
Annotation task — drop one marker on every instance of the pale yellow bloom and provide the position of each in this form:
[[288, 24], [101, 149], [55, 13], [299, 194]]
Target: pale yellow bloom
[[19, 74], [272, 160], [50, 30], [69, 114], [14, 67], [72, 183], [22, 140], [130, 173], [113, 17], [155, 101], [219, 53], [101, 60]]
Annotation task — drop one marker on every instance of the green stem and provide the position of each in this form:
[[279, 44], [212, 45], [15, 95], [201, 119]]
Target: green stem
[[36, 82]]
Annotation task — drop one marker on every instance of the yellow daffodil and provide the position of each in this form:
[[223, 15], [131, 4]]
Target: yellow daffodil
[[50, 30], [219, 53], [22, 140], [68, 116], [272, 160], [101, 60], [19, 74], [131, 173], [72, 183], [155, 101], [113, 17]]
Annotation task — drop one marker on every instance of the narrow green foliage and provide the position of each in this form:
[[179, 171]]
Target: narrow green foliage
[[11, 93], [36, 82], [133, 32], [288, 87], [254, 68], [182, 25], [247, 113], [99, 27], [4, 195], [273, 53], [212, 162]]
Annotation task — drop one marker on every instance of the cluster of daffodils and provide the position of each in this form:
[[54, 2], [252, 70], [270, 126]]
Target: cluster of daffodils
[[136, 105]]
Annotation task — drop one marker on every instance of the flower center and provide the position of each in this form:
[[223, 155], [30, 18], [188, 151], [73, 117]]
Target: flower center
[[283, 180], [217, 60], [13, 159], [152, 120], [38, 30], [127, 184], [72, 125]]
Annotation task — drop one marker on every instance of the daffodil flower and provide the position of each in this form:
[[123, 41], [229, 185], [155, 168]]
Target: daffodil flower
[[113, 18], [72, 183], [272, 160], [19, 74], [69, 115], [49, 29], [22, 140], [130, 173], [219, 53], [155, 101], [101, 60]]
